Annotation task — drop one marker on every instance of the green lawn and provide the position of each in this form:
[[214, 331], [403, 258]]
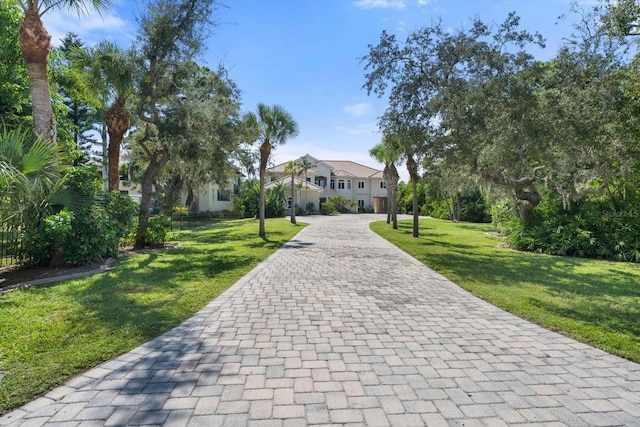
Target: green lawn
[[596, 302], [48, 334]]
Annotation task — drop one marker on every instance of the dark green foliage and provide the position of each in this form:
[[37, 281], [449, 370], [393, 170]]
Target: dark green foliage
[[328, 208], [248, 198], [474, 208], [47, 244], [435, 202], [311, 209], [158, 230], [90, 227], [342, 204], [606, 227], [501, 214], [15, 105]]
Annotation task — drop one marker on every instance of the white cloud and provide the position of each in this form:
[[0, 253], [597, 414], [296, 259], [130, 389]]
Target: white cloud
[[359, 110], [361, 129], [91, 27], [381, 4]]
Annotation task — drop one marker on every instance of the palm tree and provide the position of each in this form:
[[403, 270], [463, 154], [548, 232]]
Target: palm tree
[[305, 164], [110, 71], [35, 43], [293, 169], [385, 153], [29, 174], [411, 143], [276, 127]]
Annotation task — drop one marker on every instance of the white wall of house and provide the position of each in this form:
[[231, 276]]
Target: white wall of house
[[348, 179], [210, 197]]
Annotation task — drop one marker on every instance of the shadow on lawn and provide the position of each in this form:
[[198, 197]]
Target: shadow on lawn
[[599, 294]]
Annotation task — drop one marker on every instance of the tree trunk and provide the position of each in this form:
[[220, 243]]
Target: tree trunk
[[412, 167], [265, 152], [458, 205], [386, 177], [395, 177], [531, 198], [293, 200], [156, 164], [524, 189], [35, 43], [118, 121]]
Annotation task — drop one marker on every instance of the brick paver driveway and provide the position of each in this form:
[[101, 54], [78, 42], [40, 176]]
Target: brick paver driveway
[[321, 334]]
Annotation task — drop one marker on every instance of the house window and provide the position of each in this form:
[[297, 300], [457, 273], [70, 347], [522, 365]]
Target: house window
[[224, 195], [308, 179], [361, 203], [348, 184], [360, 185], [382, 184], [341, 184], [333, 184]]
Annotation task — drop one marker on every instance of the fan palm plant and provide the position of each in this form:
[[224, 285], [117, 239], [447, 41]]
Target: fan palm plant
[[29, 177], [110, 70], [276, 127], [386, 154], [293, 169]]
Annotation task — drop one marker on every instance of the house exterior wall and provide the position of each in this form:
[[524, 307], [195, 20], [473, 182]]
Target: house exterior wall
[[207, 197], [348, 179]]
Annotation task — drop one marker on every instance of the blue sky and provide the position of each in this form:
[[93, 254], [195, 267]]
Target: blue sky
[[304, 55]]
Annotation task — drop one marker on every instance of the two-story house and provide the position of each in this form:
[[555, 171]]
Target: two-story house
[[326, 178]]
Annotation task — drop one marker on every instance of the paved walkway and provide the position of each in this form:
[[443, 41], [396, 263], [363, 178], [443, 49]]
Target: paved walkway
[[320, 334]]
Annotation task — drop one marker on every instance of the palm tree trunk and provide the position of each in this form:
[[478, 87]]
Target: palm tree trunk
[[35, 43], [293, 200], [412, 167], [265, 152], [118, 121], [395, 177]]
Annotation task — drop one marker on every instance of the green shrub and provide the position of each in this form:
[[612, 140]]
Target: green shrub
[[342, 204], [473, 207], [501, 214], [606, 227], [91, 227], [311, 209], [47, 244], [328, 208], [158, 230]]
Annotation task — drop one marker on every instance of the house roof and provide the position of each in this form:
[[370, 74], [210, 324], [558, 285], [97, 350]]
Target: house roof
[[298, 181], [352, 169], [344, 168]]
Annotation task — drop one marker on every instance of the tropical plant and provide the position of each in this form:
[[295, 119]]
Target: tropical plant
[[110, 71], [35, 43], [276, 127], [305, 164], [90, 226], [15, 107], [385, 153], [293, 169], [29, 176]]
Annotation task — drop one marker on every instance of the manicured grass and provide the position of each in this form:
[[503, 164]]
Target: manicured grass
[[48, 334], [596, 302]]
